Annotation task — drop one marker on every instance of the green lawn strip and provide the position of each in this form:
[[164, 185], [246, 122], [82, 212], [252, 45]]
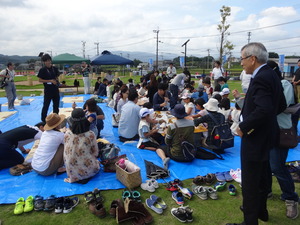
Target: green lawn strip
[[216, 212]]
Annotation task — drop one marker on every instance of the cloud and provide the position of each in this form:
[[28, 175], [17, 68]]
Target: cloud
[[32, 26]]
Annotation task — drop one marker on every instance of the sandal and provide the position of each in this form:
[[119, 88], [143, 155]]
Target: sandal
[[198, 180]]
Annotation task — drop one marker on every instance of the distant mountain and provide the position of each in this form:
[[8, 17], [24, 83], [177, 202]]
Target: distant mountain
[[4, 59], [143, 56]]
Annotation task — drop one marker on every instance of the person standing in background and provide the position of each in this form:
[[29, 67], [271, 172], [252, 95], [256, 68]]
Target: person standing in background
[[10, 89], [171, 71], [217, 72], [49, 76], [85, 71]]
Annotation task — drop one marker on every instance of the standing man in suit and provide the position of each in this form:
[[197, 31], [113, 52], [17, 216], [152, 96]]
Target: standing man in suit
[[48, 75], [259, 131]]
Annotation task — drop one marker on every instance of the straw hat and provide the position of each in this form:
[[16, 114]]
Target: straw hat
[[212, 105], [53, 120]]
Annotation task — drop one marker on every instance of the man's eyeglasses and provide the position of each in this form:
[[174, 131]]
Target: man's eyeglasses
[[245, 57]]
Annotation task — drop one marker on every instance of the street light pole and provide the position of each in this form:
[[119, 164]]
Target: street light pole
[[156, 64], [184, 44]]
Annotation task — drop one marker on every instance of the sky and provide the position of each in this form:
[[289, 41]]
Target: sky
[[29, 27]]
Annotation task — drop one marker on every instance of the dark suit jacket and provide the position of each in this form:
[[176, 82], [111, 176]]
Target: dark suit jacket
[[263, 101]]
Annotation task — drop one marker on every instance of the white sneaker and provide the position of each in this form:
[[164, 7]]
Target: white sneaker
[[292, 211], [236, 175], [154, 183], [148, 186]]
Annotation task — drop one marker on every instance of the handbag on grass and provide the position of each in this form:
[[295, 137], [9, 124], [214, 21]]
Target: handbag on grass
[[288, 138]]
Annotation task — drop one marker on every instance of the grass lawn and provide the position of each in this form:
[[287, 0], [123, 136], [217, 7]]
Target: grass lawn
[[206, 212]]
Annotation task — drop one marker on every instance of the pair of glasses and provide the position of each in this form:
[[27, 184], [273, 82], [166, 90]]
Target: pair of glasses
[[245, 57]]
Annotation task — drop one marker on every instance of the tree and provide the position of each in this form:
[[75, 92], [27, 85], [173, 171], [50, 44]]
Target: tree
[[136, 62], [273, 55], [225, 46]]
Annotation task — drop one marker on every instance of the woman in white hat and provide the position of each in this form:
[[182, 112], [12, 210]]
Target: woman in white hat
[[212, 107], [48, 157]]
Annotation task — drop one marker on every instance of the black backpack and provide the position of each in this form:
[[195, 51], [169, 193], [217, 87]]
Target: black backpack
[[221, 136]]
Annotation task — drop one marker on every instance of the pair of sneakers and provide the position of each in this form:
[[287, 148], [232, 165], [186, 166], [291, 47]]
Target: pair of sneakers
[[65, 204], [150, 185], [40, 204], [183, 214], [156, 204], [224, 176], [203, 192], [208, 179], [23, 205]]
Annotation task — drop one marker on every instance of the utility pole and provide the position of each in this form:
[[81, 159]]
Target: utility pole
[[184, 44], [208, 58], [156, 64], [83, 48], [97, 43], [249, 36]]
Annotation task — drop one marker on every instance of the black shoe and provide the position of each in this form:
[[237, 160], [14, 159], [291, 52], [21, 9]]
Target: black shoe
[[70, 203], [59, 205], [179, 213], [263, 216], [50, 203]]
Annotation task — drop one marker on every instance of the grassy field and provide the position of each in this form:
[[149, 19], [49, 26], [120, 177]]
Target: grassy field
[[206, 212]]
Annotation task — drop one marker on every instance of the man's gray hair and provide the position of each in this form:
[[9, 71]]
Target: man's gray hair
[[256, 49]]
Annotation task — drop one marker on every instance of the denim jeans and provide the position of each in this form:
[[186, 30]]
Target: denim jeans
[[278, 158]]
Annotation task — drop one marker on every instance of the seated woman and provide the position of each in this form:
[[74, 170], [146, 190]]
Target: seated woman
[[81, 149], [161, 99], [181, 130], [212, 107], [48, 157], [146, 140]]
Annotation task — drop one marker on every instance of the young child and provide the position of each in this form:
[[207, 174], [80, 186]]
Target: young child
[[91, 115], [145, 133], [208, 88], [188, 104]]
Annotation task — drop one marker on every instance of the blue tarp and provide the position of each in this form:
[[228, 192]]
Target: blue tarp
[[13, 187]]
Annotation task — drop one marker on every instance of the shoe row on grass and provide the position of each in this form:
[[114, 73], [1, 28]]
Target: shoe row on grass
[[59, 205]]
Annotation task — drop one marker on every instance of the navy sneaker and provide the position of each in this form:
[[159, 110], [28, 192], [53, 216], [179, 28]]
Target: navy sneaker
[[50, 203], [70, 203], [39, 203]]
